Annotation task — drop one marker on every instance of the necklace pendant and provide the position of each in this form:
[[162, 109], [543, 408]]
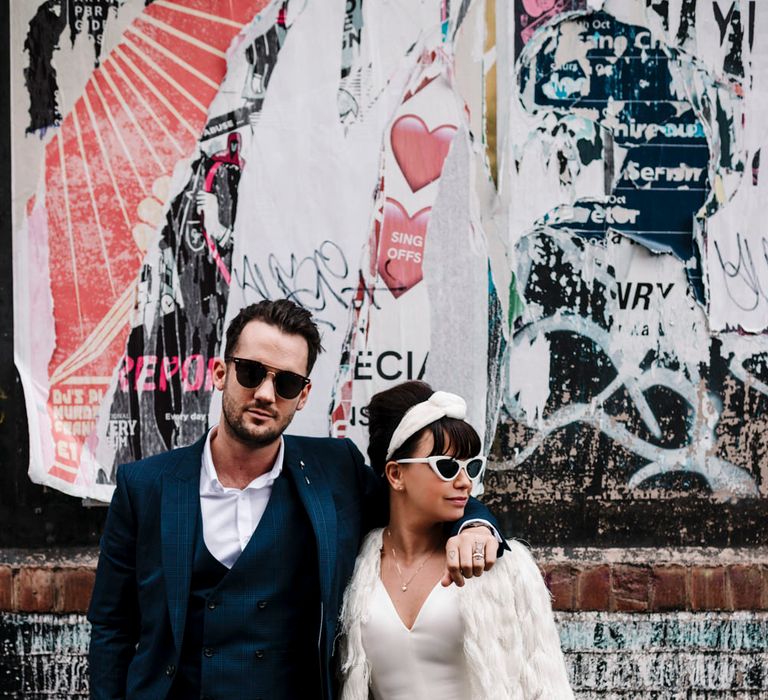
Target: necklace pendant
[[404, 588]]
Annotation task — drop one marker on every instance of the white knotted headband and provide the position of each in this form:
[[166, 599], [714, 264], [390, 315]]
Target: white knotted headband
[[441, 404]]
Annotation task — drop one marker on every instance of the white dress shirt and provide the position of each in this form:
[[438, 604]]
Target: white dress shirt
[[231, 515]]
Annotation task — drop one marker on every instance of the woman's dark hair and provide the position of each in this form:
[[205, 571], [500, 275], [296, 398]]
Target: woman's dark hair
[[386, 410], [284, 315]]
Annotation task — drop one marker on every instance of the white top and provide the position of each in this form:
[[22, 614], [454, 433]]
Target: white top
[[426, 661], [231, 515]]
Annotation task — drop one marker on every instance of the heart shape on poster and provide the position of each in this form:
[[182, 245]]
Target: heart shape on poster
[[419, 152], [535, 8], [401, 248]]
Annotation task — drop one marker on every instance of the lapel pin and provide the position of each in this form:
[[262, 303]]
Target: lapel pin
[[301, 464]]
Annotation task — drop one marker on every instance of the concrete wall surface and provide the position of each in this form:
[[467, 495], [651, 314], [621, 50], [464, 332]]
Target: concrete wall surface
[[621, 656]]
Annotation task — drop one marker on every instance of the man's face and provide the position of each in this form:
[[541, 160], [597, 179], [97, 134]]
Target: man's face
[[259, 416]]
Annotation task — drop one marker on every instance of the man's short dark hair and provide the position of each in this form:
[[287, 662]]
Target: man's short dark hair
[[283, 314]]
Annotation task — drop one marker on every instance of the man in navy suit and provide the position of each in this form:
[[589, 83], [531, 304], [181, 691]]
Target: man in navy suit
[[223, 564]]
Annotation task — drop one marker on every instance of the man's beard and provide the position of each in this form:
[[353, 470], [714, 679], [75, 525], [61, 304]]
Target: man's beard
[[237, 428]]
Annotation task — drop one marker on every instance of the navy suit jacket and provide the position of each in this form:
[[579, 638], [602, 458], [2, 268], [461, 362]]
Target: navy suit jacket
[[139, 603]]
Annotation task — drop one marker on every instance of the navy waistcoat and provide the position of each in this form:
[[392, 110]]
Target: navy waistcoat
[[271, 648]]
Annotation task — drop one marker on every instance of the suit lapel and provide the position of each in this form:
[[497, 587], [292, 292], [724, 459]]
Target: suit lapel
[[179, 516], [316, 496]]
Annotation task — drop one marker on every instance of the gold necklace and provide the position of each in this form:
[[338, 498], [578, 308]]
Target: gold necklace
[[404, 584]]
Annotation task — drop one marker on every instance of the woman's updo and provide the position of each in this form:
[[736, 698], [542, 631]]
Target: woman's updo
[[386, 410]]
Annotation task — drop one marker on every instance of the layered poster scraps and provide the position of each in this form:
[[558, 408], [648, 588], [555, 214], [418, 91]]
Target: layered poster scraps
[[204, 156], [178, 159], [416, 285], [635, 134]]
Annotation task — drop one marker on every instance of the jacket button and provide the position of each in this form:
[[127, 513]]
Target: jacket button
[[208, 652], [259, 653], [170, 670], [262, 604], [211, 605]]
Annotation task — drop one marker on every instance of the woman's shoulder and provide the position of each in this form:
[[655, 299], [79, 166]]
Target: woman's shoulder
[[358, 591], [368, 558], [371, 542]]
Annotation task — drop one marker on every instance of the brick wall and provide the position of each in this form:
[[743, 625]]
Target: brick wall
[[656, 580], [46, 581], [634, 624], [608, 580]]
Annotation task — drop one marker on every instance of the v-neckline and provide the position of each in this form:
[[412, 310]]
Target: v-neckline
[[394, 607]]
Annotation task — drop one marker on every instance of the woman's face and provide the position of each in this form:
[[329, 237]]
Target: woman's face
[[432, 498]]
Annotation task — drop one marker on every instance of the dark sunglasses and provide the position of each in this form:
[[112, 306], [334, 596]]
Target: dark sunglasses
[[448, 468], [251, 373]]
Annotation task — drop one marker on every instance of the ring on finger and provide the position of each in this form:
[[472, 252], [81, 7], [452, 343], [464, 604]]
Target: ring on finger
[[477, 555]]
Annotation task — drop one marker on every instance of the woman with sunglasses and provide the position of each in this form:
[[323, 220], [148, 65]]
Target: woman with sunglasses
[[406, 637]]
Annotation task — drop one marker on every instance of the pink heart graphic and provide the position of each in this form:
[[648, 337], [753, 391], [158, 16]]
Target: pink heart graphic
[[420, 153], [401, 249], [538, 7]]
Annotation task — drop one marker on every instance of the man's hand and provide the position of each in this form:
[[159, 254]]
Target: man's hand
[[469, 554]]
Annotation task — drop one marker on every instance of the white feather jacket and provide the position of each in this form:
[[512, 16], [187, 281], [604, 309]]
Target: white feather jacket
[[511, 642]]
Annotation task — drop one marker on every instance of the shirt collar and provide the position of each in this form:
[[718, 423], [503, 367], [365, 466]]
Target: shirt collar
[[209, 479]]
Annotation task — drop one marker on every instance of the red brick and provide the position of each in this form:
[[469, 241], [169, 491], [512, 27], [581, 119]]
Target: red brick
[[594, 588], [631, 584], [669, 588], [764, 601], [708, 588], [561, 581], [6, 588], [746, 586], [74, 587], [34, 590]]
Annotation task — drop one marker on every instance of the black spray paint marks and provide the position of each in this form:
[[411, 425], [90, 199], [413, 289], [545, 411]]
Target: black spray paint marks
[[732, 30], [43, 40], [687, 22], [261, 55], [755, 167], [661, 8]]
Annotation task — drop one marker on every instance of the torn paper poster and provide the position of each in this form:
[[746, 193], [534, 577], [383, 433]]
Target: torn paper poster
[[426, 262], [204, 167], [301, 231], [201, 160], [108, 174], [612, 342], [737, 259], [531, 15], [616, 108], [735, 236], [628, 158], [164, 379]]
